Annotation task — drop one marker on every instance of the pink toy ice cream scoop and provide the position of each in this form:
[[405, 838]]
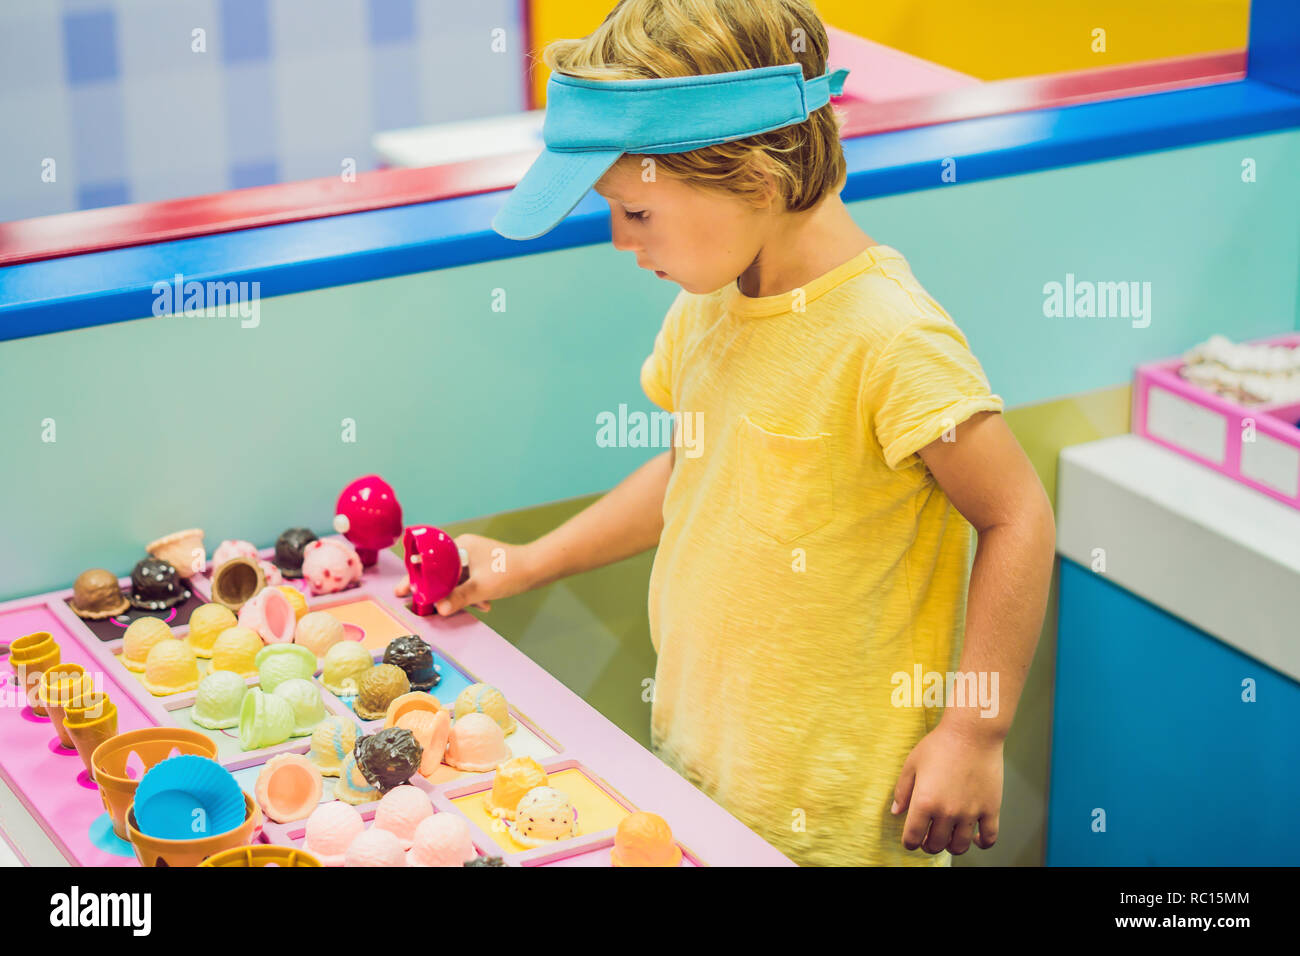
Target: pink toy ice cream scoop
[[401, 810], [375, 847], [236, 548], [270, 615], [330, 565], [476, 743], [331, 828], [441, 840], [369, 516]]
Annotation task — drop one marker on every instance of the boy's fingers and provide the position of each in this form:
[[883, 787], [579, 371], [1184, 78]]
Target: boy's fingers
[[918, 823], [941, 828], [903, 789], [988, 834], [961, 835]]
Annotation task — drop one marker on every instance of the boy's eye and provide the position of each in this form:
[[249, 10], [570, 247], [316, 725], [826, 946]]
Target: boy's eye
[[634, 216]]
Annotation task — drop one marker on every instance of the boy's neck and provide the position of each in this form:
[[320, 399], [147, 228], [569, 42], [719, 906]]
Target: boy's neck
[[803, 246]]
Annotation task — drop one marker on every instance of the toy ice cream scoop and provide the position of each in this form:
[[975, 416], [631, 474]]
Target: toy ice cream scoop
[[401, 810], [644, 839], [441, 840], [140, 637], [368, 515], [485, 699], [375, 847], [269, 613], [331, 742], [308, 708], [476, 743], [206, 624], [318, 632], [433, 566], [277, 663], [331, 828], [236, 649], [232, 548], [513, 780], [96, 595], [183, 550], [155, 586], [544, 815], [236, 580], [352, 786], [377, 688], [423, 716], [216, 705], [330, 565], [264, 720], [289, 548], [297, 600], [389, 757], [288, 788], [343, 666], [170, 668], [413, 655]]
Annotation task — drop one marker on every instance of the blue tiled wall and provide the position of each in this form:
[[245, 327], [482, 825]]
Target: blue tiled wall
[[112, 92]]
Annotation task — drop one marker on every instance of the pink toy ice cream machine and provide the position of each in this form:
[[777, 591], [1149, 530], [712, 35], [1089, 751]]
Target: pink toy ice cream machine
[[433, 564], [369, 516]]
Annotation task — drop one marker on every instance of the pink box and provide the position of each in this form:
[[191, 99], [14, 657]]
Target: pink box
[[1257, 446]]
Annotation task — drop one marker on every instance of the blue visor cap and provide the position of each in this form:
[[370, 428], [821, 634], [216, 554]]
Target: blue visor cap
[[591, 123]]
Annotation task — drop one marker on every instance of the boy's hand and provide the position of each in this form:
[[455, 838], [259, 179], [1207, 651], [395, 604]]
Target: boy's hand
[[951, 782], [496, 570]]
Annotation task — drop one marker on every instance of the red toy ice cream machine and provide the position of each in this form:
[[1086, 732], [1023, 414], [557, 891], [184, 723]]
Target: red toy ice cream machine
[[369, 516], [433, 564]]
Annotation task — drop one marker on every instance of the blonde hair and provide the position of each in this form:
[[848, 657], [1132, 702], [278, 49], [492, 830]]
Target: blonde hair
[[652, 39]]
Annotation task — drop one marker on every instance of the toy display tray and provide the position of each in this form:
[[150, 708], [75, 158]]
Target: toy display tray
[[607, 774], [1258, 446]]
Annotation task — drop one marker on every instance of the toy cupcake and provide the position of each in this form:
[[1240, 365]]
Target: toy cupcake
[[343, 666], [331, 742], [96, 595], [236, 649], [206, 624], [155, 586], [377, 688], [331, 828], [476, 743], [644, 839], [352, 787], [170, 668], [289, 548], [388, 758], [140, 637], [401, 810], [513, 780], [216, 705], [441, 840], [413, 655], [318, 632], [485, 699], [308, 708], [544, 815]]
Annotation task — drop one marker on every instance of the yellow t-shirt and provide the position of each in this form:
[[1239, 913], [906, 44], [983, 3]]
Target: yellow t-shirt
[[808, 555]]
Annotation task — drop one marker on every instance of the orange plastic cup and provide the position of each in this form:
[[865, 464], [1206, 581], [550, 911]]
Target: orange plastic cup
[[151, 851], [264, 855], [90, 724], [29, 656], [152, 745], [61, 685]]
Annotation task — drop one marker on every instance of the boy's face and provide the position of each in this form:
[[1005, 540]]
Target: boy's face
[[702, 240]]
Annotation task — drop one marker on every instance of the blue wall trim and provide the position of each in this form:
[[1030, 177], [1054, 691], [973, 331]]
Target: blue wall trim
[[1273, 48], [116, 285]]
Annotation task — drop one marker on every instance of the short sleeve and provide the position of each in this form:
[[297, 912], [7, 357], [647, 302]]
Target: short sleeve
[[657, 369], [924, 382]]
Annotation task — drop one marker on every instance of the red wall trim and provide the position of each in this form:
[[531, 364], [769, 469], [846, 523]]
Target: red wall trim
[[113, 227]]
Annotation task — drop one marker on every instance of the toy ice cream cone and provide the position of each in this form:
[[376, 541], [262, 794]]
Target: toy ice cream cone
[[61, 685], [89, 723], [183, 550], [263, 855], [30, 656]]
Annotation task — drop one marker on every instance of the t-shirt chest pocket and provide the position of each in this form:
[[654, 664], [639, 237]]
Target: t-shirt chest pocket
[[784, 481]]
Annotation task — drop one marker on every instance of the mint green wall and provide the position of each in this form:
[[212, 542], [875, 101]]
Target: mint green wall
[[175, 422]]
